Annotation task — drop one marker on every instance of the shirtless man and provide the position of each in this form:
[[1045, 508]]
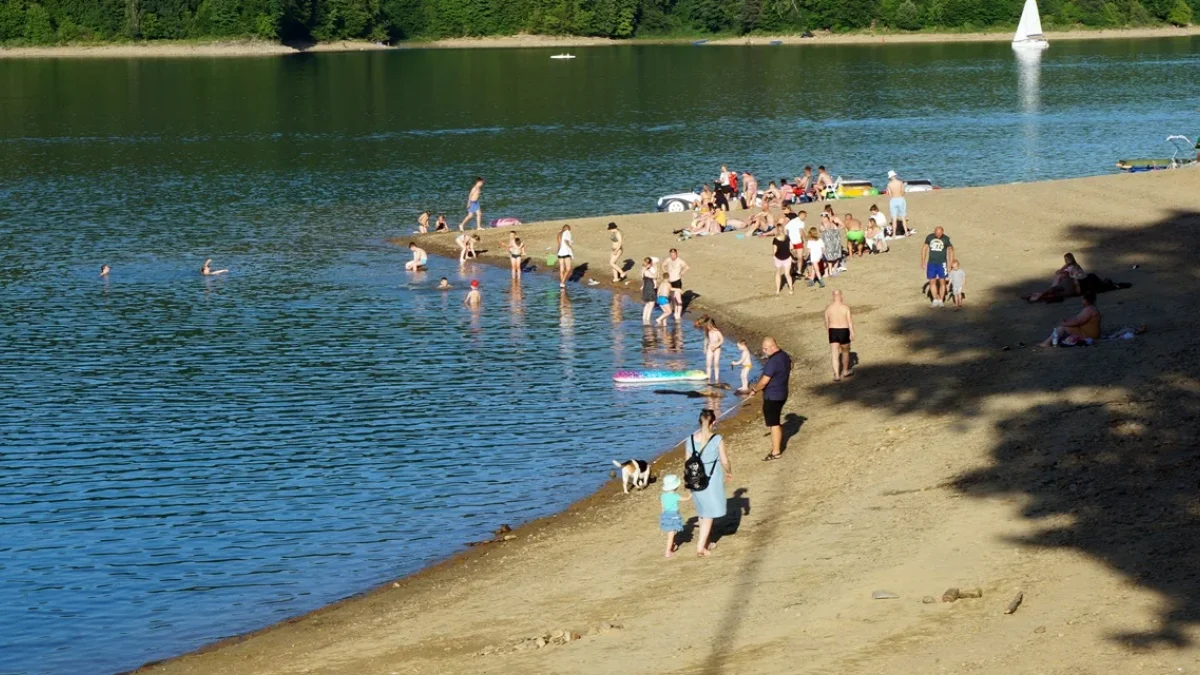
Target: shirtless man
[[675, 268], [824, 182], [749, 190], [840, 327], [423, 222], [473, 210], [856, 237], [1083, 327], [207, 270], [474, 297], [420, 259], [897, 203]]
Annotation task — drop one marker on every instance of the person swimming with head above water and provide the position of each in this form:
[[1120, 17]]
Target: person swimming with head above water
[[104, 270], [207, 270], [444, 284]]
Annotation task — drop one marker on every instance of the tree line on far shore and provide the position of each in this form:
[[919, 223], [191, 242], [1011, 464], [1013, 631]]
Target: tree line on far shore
[[39, 22]]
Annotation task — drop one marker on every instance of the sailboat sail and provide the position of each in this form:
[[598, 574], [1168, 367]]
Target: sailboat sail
[[1030, 26]]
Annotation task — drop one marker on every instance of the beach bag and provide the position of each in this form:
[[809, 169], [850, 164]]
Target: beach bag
[[695, 478]]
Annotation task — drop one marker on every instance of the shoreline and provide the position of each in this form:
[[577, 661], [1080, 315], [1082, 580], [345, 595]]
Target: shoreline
[[242, 48], [865, 499], [442, 245]]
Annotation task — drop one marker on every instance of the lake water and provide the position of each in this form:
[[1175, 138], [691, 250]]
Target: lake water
[[183, 459]]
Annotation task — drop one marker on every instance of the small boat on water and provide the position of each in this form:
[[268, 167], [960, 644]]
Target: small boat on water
[[697, 43], [1182, 156], [563, 56], [1029, 31]]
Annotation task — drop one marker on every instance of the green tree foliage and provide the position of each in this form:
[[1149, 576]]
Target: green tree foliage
[[47, 21], [1180, 14]]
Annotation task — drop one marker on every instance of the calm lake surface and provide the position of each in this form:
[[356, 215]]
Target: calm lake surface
[[184, 459]]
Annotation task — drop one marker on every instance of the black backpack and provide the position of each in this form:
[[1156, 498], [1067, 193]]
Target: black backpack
[[695, 478]]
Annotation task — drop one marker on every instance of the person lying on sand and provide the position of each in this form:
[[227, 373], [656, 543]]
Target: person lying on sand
[[207, 270], [1083, 328]]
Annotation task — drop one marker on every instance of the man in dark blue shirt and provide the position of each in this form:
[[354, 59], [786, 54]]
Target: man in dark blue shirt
[[774, 387]]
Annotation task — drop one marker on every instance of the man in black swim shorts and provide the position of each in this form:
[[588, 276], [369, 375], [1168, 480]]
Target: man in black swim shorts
[[774, 387], [840, 325]]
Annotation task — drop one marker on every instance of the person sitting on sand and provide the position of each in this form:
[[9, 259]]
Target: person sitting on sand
[[824, 183], [420, 259], [746, 361], [444, 284], [760, 223], [474, 297], [805, 183], [423, 222], [206, 269], [441, 225], [877, 232], [1083, 328], [1066, 280], [771, 198]]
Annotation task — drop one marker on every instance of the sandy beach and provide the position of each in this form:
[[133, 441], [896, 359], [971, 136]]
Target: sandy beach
[[955, 457], [167, 49]]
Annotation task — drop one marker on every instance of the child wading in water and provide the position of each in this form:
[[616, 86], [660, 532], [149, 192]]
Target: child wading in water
[[669, 521], [664, 299], [958, 281], [746, 361], [713, 339], [516, 253]]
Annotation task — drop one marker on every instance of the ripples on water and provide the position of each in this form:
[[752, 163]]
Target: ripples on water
[[189, 458], [183, 459]]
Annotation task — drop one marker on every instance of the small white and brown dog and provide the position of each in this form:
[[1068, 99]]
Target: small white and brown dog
[[634, 472]]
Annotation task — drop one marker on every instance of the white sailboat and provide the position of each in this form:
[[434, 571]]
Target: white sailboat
[[1029, 30]]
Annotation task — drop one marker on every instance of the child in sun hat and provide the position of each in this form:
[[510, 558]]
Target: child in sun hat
[[669, 521]]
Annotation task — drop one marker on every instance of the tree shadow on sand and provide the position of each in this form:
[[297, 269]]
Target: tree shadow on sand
[[1122, 465], [1112, 440]]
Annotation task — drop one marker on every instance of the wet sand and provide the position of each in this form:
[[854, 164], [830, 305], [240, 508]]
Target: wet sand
[[947, 461], [166, 49]]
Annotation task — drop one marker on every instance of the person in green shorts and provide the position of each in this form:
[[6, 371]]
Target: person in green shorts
[[855, 236]]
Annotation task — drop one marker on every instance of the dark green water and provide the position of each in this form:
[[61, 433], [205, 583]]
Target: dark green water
[[182, 459]]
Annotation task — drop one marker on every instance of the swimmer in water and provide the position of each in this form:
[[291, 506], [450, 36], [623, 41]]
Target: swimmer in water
[[444, 284], [420, 259], [207, 271], [474, 298], [516, 253], [746, 361], [104, 270]]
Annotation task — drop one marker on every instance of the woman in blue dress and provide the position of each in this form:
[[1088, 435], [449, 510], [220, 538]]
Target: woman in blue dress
[[710, 502]]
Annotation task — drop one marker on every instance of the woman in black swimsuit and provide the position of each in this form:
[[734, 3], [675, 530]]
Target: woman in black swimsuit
[[649, 289], [783, 260]]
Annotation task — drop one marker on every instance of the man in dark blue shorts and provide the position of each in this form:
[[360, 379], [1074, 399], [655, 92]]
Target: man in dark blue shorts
[[774, 387], [936, 257]]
